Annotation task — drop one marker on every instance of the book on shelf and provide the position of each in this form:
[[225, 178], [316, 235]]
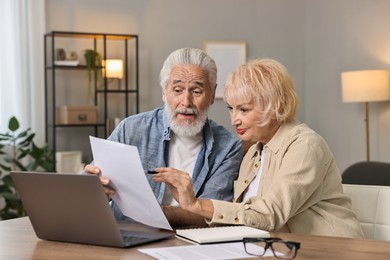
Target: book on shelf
[[66, 62], [220, 234]]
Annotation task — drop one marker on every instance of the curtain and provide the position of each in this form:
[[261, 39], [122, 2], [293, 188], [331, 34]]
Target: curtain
[[22, 27]]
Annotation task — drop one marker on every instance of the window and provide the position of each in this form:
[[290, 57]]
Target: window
[[21, 64]]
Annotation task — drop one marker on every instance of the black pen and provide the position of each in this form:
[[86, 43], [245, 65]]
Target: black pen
[[150, 172]]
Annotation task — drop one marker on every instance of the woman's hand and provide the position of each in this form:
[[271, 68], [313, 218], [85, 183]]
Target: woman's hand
[[180, 184]]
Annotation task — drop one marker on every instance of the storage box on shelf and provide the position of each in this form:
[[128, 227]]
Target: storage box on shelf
[[76, 115]]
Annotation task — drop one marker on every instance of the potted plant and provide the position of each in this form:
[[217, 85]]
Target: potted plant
[[93, 62], [19, 152]]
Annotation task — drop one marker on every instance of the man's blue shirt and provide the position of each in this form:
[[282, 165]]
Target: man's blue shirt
[[217, 164]]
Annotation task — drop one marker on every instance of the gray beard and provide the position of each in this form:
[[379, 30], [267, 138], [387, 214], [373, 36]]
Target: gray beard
[[186, 129]]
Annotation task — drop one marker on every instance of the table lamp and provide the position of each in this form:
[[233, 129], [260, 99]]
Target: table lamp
[[113, 69], [366, 86]]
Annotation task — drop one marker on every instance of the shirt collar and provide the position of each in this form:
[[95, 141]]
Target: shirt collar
[[276, 141], [167, 129]]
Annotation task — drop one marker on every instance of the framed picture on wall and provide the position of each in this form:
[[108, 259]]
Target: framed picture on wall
[[228, 55]]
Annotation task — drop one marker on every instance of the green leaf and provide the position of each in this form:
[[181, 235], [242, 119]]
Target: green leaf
[[23, 153], [13, 124], [8, 215], [4, 189], [5, 167], [20, 165], [10, 196], [8, 181], [27, 141]]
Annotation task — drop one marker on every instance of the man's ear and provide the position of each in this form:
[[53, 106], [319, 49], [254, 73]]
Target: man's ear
[[163, 97], [213, 95]]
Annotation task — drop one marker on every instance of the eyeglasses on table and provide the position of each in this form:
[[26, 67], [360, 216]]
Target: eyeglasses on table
[[280, 248]]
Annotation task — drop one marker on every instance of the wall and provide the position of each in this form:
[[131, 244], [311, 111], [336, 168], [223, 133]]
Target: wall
[[315, 39], [342, 36], [246, 20]]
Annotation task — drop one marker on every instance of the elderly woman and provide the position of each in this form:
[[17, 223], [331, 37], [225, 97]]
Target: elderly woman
[[288, 180]]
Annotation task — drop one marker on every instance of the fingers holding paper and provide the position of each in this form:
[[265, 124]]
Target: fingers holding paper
[[93, 169]]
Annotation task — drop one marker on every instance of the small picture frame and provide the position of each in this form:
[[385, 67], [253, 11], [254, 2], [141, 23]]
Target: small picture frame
[[228, 55], [69, 161]]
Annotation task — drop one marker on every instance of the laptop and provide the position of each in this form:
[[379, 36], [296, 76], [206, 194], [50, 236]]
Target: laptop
[[74, 208]]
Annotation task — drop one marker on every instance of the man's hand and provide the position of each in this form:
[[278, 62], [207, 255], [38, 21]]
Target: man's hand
[[93, 169]]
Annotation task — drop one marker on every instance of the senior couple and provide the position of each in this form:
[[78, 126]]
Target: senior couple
[[287, 181]]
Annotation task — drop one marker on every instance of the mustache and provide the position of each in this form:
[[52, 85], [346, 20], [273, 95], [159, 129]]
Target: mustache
[[187, 111]]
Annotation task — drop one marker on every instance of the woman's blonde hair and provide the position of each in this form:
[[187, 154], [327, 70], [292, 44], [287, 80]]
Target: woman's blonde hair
[[267, 84]]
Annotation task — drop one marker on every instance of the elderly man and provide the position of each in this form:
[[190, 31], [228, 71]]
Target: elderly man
[[180, 136]]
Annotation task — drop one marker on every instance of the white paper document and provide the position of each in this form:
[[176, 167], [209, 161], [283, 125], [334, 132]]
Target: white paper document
[[202, 252], [122, 165]]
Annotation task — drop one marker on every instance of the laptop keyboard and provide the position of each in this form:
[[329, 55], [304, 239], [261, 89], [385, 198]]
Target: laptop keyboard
[[130, 240], [134, 238]]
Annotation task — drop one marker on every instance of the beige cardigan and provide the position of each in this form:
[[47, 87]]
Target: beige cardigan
[[300, 188]]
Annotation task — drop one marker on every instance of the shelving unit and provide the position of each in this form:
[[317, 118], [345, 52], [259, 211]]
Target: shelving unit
[[68, 86]]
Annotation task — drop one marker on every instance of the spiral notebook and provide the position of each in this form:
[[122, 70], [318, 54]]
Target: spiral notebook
[[220, 234]]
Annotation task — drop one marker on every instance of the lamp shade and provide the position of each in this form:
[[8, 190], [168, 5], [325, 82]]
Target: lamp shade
[[365, 85], [114, 68]]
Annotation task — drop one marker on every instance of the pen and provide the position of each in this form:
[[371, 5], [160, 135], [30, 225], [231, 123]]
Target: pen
[[150, 172]]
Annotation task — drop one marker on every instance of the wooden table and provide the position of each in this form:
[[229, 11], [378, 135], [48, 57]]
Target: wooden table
[[18, 241]]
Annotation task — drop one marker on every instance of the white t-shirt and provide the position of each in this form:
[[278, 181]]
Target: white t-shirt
[[254, 185], [183, 152]]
